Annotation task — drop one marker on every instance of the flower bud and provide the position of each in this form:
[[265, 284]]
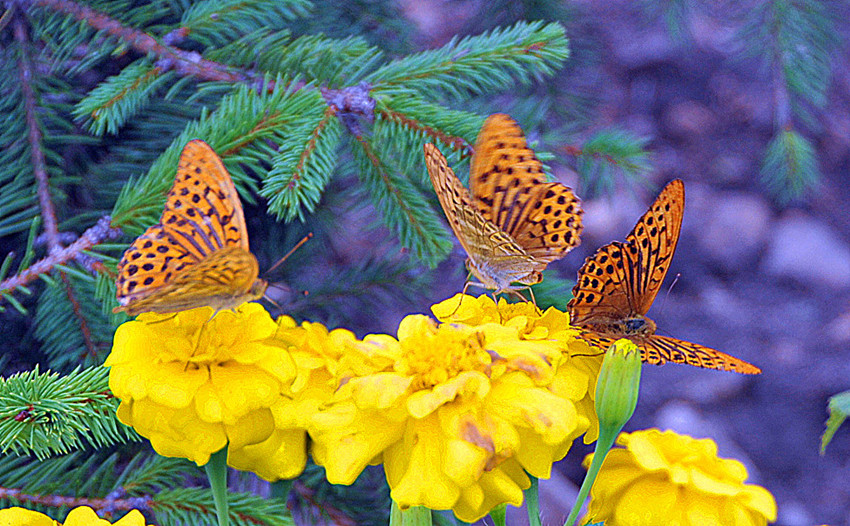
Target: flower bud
[[617, 386]]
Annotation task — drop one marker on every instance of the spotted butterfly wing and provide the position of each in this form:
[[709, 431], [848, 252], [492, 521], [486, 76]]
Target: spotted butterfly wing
[[197, 255], [509, 187], [482, 240], [616, 287]]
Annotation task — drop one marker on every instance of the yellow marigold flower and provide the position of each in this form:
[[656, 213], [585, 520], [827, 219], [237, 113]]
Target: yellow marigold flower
[[320, 358], [576, 377], [667, 478], [457, 414], [192, 384], [82, 516]]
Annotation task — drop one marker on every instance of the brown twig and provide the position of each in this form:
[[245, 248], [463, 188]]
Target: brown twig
[[78, 312], [39, 166], [95, 235], [457, 143], [183, 62], [337, 516], [311, 145], [576, 151]]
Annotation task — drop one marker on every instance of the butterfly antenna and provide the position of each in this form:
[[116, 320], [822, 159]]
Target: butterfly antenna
[[293, 249], [670, 288]]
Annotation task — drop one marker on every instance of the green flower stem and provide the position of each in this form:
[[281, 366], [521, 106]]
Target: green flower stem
[[498, 514], [617, 389], [532, 502], [216, 470], [412, 516], [603, 445]]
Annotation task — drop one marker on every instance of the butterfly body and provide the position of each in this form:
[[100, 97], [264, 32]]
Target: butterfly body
[[514, 223], [616, 286], [197, 255], [637, 326]]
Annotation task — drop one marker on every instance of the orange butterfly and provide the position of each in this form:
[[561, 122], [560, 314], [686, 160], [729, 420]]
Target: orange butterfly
[[616, 286], [197, 256], [515, 223]]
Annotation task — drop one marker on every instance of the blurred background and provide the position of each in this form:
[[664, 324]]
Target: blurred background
[[747, 102], [764, 261]]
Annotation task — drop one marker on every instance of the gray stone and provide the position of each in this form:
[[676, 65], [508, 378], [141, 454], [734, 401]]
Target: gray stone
[[808, 251], [734, 230]]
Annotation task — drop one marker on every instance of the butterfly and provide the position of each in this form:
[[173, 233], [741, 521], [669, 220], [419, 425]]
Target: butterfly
[[616, 287], [514, 223], [197, 255]]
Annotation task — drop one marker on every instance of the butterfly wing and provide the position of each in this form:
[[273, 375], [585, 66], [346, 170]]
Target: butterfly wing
[[510, 189], [222, 280], [659, 349], [602, 290], [203, 211], [202, 215], [482, 240], [621, 280], [652, 243]]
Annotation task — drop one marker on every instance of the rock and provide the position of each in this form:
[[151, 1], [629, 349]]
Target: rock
[[689, 119], [805, 250], [734, 230]]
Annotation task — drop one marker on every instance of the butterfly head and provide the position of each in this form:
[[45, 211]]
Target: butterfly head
[[258, 289]]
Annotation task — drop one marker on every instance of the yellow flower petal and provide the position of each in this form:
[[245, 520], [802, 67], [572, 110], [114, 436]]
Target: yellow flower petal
[[666, 478]]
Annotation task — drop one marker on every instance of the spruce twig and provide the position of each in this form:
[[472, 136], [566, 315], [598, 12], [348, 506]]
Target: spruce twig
[[25, 73], [456, 143], [100, 232], [186, 63]]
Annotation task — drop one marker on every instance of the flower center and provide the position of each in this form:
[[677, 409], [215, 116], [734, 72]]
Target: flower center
[[443, 354]]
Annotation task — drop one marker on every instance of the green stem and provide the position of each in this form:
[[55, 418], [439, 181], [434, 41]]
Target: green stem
[[532, 502], [603, 445], [412, 516], [216, 470]]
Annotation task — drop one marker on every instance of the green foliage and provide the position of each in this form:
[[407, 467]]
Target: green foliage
[[213, 23], [839, 408], [492, 61], [108, 106], [49, 414], [789, 169], [609, 152], [801, 36]]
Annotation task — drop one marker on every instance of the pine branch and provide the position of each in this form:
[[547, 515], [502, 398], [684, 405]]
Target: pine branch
[[476, 65], [195, 505], [790, 169], [26, 74], [299, 175], [238, 131], [332, 62], [116, 100], [50, 414], [607, 153], [71, 322], [215, 22], [434, 122], [183, 62], [91, 237], [403, 208]]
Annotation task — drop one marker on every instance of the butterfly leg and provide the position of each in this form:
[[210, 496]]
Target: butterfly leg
[[164, 319], [462, 294]]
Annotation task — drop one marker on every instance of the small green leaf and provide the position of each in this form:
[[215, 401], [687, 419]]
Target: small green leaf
[[839, 408]]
